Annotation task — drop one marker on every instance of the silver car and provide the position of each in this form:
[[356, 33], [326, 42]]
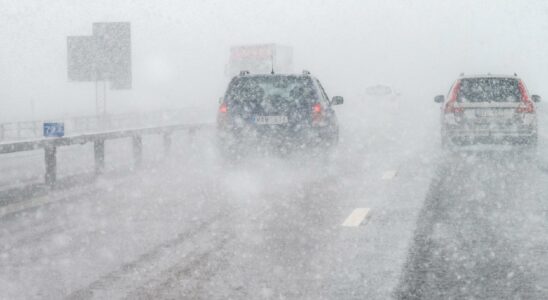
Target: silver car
[[488, 109]]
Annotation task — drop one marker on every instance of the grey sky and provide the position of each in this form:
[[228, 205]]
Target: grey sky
[[180, 48]]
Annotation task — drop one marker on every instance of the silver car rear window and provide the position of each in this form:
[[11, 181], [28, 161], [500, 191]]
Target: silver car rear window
[[489, 90]]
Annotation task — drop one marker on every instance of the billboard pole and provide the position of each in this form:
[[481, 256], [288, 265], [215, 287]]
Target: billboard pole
[[104, 98], [104, 56], [96, 79], [96, 98]]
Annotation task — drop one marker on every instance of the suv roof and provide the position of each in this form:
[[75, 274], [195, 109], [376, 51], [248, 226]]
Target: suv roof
[[245, 73], [488, 75], [273, 75]]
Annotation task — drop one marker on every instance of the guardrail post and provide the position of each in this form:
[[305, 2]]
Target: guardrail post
[[167, 143], [35, 129], [191, 133], [50, 155], [18, 130], [2, 133], [137, 150], [99, 151]]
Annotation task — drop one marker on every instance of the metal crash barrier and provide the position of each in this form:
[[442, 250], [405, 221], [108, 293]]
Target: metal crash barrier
[[50, 145]]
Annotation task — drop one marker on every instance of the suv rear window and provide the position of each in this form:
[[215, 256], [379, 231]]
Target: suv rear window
[[262, 90], [489, 90]]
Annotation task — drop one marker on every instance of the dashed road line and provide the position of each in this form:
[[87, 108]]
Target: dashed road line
[[356, 217], [389, 174]]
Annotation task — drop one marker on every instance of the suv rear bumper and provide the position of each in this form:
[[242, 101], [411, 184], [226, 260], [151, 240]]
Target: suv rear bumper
[[512, 133], [309, 138], [491, 137]]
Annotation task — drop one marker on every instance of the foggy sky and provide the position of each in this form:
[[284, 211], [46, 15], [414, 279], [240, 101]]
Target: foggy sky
[[180, 48]]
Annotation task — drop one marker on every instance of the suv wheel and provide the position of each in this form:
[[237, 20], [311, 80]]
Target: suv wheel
[[445, 143], [532, 141]]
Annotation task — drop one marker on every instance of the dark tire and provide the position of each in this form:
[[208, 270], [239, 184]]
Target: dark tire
[[335, 140], [322, 155], [532, 141], [227, 152], [329, 147], [331, 141], [445, 143], [228, 156]]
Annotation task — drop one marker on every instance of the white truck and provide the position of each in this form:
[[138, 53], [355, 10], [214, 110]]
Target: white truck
[[260, 59]]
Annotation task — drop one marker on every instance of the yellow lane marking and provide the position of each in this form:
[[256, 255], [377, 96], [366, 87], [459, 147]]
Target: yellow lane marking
[[39, 201], [356, 217], [8, 209], [52, 197]]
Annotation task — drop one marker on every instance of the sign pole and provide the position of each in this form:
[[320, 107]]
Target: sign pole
[[96, 97], [103, 56], [105, 98]]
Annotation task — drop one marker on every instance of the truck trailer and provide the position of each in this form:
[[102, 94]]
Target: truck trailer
[[260, 59]]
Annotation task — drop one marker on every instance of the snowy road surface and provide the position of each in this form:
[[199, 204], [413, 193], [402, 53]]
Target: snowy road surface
[[486, 239], [436, 225]]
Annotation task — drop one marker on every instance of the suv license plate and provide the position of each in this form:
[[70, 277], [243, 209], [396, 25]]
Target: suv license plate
[[270, 120], [484, 113], [489, 113]]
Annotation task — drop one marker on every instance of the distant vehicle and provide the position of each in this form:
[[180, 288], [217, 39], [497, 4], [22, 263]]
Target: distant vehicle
[[260, 59], [276, 113], [381, 91], [488, 109]]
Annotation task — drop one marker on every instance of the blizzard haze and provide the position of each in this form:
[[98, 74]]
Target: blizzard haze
[[402, 189], [180, 48]]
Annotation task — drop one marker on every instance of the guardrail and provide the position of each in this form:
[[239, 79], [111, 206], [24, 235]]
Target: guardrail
[[18, 130], [50, 145]]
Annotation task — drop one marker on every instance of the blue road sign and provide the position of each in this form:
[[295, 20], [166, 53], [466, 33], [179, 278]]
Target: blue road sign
[[54, 129]]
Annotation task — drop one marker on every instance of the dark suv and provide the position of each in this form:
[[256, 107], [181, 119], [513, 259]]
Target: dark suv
[[276, 113]]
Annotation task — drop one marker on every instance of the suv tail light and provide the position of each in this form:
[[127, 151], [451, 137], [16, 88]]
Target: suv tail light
[[222, 116], [450, 106], [317, 113], [526, 105], [223, 108]]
